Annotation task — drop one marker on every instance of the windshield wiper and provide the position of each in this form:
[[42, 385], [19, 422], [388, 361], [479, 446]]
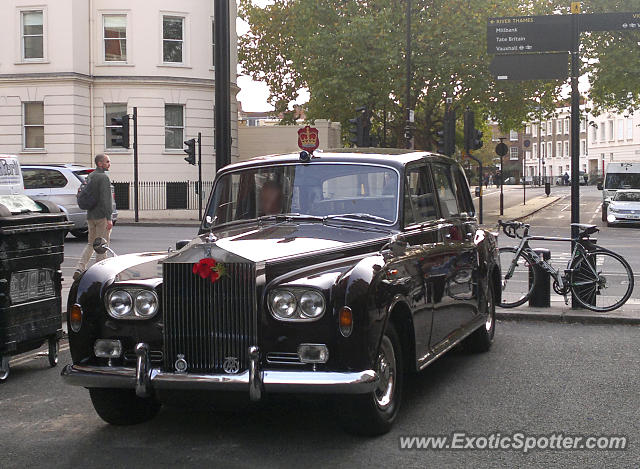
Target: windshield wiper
[[361, 216], [285, 217]]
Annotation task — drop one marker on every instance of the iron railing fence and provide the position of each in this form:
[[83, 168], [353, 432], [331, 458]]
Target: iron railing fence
[[161, 195]]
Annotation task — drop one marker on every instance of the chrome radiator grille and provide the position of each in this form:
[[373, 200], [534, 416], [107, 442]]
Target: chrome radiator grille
[[208, 322]]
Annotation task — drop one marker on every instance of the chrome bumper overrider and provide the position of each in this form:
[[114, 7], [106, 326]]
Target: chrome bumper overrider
[[144, 379]]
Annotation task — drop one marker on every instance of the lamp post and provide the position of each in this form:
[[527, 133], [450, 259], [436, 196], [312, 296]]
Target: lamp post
[[408, 134]]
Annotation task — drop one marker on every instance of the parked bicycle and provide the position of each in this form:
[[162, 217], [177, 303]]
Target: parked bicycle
[[598, 279]]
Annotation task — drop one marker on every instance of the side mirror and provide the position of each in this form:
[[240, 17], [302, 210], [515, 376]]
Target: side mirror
[[599, 186], [398, 246], [182, 243], [100, 245]]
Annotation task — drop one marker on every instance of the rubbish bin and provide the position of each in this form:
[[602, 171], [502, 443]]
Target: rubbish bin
[[31, 251], [541, 296], [547, 188]]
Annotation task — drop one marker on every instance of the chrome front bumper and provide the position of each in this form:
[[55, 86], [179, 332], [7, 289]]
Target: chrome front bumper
[[144, 379]]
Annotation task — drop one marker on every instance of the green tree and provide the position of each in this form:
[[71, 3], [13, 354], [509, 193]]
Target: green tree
[[352, 53]]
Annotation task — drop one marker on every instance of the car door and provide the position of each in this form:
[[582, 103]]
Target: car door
[[453, 281], [420, 218], [36, 185], [63, 192]]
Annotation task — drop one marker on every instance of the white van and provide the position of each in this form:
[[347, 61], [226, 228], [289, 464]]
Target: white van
[[10, 176], [618, 176]]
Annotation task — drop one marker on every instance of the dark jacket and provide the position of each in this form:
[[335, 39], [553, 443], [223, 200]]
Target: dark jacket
[[99, 184]]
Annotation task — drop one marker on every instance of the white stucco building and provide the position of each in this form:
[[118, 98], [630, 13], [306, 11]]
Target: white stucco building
[[613, 138], [68, 67]]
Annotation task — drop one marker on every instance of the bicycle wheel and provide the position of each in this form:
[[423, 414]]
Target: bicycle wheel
[[516, 286], [601, 280]]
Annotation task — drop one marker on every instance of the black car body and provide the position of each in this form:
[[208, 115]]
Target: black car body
[[376, 267]]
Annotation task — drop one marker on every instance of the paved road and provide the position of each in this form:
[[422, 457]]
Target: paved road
[[539, 378]]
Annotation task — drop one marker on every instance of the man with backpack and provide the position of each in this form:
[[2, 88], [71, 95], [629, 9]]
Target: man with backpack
[[95, 197]]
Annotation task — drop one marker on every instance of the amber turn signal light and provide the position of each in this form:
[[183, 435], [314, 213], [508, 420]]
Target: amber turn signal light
[[75, 317], [346, 321]]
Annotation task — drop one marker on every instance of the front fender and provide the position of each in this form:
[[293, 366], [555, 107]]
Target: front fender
[[89, 290]]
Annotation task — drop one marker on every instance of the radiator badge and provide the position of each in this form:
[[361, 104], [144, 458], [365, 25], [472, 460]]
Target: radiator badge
[[231, 365], [181, 364]]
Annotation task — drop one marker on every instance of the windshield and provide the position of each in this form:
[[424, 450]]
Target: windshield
[[627, 197], [365, 192], [82, 174], [622, 181]]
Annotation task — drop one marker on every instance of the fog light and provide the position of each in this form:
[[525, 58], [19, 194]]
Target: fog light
[[107, 348], [75, 317], [313, 353], [346, 321], [611, 218]]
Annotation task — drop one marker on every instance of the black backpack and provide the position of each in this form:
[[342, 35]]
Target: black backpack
[[85, 197]]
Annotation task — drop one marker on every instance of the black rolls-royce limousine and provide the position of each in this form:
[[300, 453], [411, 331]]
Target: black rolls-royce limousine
[[337, 273]]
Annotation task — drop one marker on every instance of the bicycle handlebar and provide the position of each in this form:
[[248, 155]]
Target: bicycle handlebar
[[511, 228]]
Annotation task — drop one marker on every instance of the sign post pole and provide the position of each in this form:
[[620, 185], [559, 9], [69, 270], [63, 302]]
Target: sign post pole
[[136, 183], [575, 131]]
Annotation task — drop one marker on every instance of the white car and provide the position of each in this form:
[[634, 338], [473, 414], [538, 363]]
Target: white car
[[624, 207]]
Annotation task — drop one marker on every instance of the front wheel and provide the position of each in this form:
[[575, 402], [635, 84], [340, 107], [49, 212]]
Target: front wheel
[[5, 369], [601, 280], [54, 349], [374, 413], [518, 277], [122, 406]]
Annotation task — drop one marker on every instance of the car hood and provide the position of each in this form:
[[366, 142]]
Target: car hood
[[625, 205], [276, 242]]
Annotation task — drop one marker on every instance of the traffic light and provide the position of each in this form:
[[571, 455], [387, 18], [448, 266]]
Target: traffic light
[[447, 135], [472, 136], [361, 128], [190, 151], [120, 131]]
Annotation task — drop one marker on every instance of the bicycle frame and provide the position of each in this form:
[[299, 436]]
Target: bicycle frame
[[580, 248]]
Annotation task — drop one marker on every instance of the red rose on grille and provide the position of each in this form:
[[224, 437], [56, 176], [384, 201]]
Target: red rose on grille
[[208, 268]]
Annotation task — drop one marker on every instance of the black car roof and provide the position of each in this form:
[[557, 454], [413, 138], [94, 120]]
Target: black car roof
[[397, 158]]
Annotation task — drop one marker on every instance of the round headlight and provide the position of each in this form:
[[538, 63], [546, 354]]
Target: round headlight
[[119, 303], [283, 304], [146, 303], [312, 304]]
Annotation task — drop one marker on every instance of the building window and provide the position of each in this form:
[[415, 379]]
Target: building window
[[583, 125], [566, 148], [594, 134], [513, 136], [550, 127], [113, 130], [527, 129], [558, 123], [549, 150], [629, 129], [535, 150], [172, 39], [603, 129], [32, 35], [542, 128], [567, 125], [513, 155], [620, 130], [33, 118], [528, 155], [559, 149], [534, 130], [583, 147], [611, 131], [115, 38], [173, 126]]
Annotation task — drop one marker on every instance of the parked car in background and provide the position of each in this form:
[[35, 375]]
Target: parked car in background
[[624, 207], [336, 274], [618, 176], [59, 184]]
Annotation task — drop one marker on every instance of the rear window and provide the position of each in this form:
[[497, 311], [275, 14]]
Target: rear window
[[82, 175]]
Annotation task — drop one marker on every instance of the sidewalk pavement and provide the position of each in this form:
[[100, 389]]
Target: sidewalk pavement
[[559, 312], [520, 211]]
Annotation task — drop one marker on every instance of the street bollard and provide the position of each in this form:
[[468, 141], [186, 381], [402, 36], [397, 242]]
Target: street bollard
[[547, 188], [541, 296], [478, 189]]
